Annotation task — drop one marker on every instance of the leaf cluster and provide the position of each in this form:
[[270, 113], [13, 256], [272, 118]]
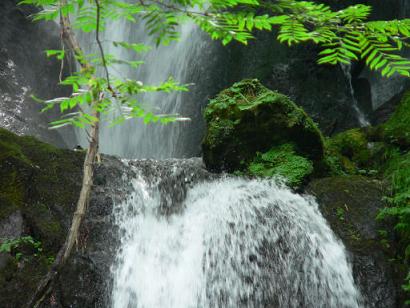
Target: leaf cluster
[[14, 246], [344, 35]]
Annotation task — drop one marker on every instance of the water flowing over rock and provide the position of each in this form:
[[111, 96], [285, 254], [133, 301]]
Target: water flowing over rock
[[191, 61], [170, 234], [233, 243]]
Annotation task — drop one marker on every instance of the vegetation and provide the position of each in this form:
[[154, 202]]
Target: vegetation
[[281, 161], [16, 246], [397, 130], [248, 118], [345, 35]]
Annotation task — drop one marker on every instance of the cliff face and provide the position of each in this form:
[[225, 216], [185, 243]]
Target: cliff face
[[39, 188], [25, 71], [323, 91]]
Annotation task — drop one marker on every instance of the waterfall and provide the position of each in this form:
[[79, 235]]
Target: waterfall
[[361, 117], [188, 240], [183, 60], [232, 242]]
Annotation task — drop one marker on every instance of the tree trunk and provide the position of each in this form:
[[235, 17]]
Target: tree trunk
[[82, 204], [45, 286]]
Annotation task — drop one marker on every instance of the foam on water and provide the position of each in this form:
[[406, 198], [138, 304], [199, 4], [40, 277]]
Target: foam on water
[[235, 243]]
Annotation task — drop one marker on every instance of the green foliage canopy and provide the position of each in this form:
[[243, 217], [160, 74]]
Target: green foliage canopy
[[344, 35]]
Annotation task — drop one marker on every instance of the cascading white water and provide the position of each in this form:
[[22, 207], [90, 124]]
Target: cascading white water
[[233, 243], [134, 139], [361, 117]]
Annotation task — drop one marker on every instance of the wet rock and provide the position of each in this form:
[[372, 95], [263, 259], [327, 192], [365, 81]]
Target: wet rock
[[350, 205], [323, 91], [25, 70]]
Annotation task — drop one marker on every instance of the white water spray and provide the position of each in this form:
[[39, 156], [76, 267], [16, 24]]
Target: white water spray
[[235, 243]]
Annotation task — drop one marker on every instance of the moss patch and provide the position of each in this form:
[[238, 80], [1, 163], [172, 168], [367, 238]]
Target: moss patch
[[356, 151], [397, 128], [281, 161], [43, 183]]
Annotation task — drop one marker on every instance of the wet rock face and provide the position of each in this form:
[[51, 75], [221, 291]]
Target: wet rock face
[[350, 205], [25, 71], [322, 90], [39, 187], [86, 280]]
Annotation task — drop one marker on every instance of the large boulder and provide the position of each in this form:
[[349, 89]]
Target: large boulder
[[39, 189], [350, 204], [250, 124]]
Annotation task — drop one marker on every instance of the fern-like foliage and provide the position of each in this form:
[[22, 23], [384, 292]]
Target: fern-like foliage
[[346, 35]]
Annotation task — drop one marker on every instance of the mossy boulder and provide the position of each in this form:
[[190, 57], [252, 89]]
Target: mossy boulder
[[41, 181], [356, 151], [247, 125], [39, 184]]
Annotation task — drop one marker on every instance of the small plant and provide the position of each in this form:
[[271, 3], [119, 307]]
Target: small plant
[[340, 213], [16, 246]]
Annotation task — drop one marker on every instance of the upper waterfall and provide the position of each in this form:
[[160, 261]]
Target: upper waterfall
[[181, 60]]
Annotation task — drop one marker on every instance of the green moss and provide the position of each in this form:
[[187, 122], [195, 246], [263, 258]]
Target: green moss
[[397, 128], [352, 144], [41, 181], [281, 161], [350, 203], [397, 172], [12, 159], [356, 151], [248, 118]]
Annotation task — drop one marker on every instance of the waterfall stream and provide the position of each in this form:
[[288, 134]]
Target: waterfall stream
[[361, 117], [182, 60], [231, 242]]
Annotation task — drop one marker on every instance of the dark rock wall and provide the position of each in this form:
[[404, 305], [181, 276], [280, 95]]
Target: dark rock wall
[[350, 205], [25, 71], [322, 90], [39, 188]]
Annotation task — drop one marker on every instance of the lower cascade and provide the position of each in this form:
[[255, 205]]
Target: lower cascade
[[230, 242]]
